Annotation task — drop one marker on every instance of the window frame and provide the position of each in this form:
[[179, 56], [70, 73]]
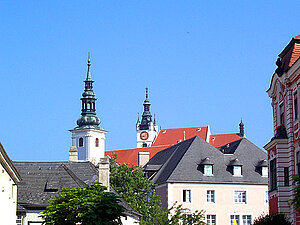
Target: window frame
[[212, 220], [208, 170], [273, 175], [246, 222], [240, 172], [296, 110], [80, 142], [187, 198], [240, 197], [286, 176], [210, 196], [232, 217], [281, 113], [264, 171]]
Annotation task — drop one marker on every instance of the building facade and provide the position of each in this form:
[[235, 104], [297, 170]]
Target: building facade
[[229, 182], [283, 149], [9, 179]]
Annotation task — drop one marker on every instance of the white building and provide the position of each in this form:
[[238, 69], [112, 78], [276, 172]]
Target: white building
[[8, 189]]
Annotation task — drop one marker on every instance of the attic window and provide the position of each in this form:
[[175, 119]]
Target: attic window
[[237, 170], [213, 139], [199, 129], [208, 170], [164, 131], [179, 141], [264, 171]]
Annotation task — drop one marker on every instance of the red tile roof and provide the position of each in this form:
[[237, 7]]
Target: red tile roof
[[173, 136], [168, 137], [130, 156], [290, 53], [218, 140]]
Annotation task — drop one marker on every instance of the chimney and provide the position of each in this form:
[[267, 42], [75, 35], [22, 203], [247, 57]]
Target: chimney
[[73, 154], [143, 158], [104, 172]]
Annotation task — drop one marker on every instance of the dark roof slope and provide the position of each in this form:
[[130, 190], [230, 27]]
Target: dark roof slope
[[43, 180], [184, 164]]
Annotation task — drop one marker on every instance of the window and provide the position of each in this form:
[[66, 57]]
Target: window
[[273, 176], [247, 220], [298, 162], [208, 170], [186, 196], [144, 145], [240, 197], [295, 105], [237, 170], [286, 176], [97, 142], [80, 142], [211, 219], [281, 113], [235, 220], [266, 197], [264, 171], [210, 196], [19, 220]]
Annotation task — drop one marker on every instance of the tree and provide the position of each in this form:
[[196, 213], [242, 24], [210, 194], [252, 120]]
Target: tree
[[139, 192], [89, 205], [274, 219]]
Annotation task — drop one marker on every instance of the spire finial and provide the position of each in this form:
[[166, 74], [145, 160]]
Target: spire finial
[[138, 119], [88, 75], [146, 93]]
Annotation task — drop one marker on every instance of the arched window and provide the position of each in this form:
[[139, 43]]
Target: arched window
[[144, 145], [97, 142], [80, 142]]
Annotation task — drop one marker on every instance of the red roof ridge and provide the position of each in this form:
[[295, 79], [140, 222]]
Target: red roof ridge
[[182, 128]]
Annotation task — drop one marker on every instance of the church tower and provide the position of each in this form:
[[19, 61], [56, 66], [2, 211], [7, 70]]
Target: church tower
[[88, 137], [146, 129]]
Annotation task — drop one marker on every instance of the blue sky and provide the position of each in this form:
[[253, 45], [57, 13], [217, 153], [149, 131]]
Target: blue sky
[[205, 63]]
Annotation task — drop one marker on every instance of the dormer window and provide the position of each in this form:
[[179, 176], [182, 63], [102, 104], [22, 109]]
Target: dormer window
[[208, 170], [264, 171], [207, 166], [237, 170]]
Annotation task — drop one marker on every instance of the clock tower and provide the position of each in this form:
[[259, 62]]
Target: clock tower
[[88, 137], [146, 129]]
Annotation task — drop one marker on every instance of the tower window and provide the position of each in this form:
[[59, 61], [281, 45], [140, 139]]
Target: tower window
[[80, 144], [296, 105], [97, 142], [144, 145], [281, 113]]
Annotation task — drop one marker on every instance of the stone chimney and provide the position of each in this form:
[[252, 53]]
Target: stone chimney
[[104, 172], [73, 154], [143, 158]]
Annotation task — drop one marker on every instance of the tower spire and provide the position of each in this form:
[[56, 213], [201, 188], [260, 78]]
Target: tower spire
[[146, 117], [242, 130], [88, 117]]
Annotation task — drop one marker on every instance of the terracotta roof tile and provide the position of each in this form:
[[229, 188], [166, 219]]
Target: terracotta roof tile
[[130, 156], [173, 136], [218, 140]]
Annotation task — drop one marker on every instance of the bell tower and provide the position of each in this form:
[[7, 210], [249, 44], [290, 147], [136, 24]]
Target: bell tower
[[146, 129], [87, 136]]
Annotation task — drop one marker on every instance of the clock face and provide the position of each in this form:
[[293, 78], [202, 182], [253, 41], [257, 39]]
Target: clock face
[[144, 135]]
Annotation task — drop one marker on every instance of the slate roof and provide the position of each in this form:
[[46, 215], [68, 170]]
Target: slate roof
[[182, 163], [43, 180]]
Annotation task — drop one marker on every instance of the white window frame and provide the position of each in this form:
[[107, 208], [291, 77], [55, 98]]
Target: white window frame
[[237, 171], [211, 219], [210, 196], [232, 217], [266, 197], [264, 171], [187, 195], [240, 197], [245, 220], [208, 170]]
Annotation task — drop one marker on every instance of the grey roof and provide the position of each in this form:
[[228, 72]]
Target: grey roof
[[182, 162], [43, 180]]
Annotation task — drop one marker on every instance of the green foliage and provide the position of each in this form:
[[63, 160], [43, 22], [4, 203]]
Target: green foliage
[[180, 215], [274, 219], [139, 192], [296, 200], [89, 205]]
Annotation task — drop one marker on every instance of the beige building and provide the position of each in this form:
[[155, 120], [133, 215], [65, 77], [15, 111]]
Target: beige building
[[8, 189], [229, 183]]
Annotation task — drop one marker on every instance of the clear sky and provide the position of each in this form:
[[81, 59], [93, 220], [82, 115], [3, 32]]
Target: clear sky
[[204, 62]]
